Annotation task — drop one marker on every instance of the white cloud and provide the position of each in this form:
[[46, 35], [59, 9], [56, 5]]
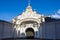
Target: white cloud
[[56, 15], [58, 11]]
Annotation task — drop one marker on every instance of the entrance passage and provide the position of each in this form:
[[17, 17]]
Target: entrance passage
[[29, 33]]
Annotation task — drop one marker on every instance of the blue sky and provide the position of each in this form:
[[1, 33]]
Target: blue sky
[[12, 8]]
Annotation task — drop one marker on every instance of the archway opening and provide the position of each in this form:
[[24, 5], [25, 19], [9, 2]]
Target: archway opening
[[29, 33]]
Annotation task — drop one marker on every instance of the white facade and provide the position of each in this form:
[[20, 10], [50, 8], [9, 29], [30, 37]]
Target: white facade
[[28, 19]]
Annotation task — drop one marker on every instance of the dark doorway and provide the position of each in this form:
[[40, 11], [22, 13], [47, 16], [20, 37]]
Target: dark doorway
[[29, 33]]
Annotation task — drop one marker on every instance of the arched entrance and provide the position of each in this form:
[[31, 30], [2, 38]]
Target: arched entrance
[[29, 33]]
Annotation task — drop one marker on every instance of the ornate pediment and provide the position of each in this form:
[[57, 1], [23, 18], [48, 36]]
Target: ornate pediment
[[29, 13]]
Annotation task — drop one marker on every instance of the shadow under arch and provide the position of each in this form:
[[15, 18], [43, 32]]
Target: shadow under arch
[[29, 33], [27, 22]]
